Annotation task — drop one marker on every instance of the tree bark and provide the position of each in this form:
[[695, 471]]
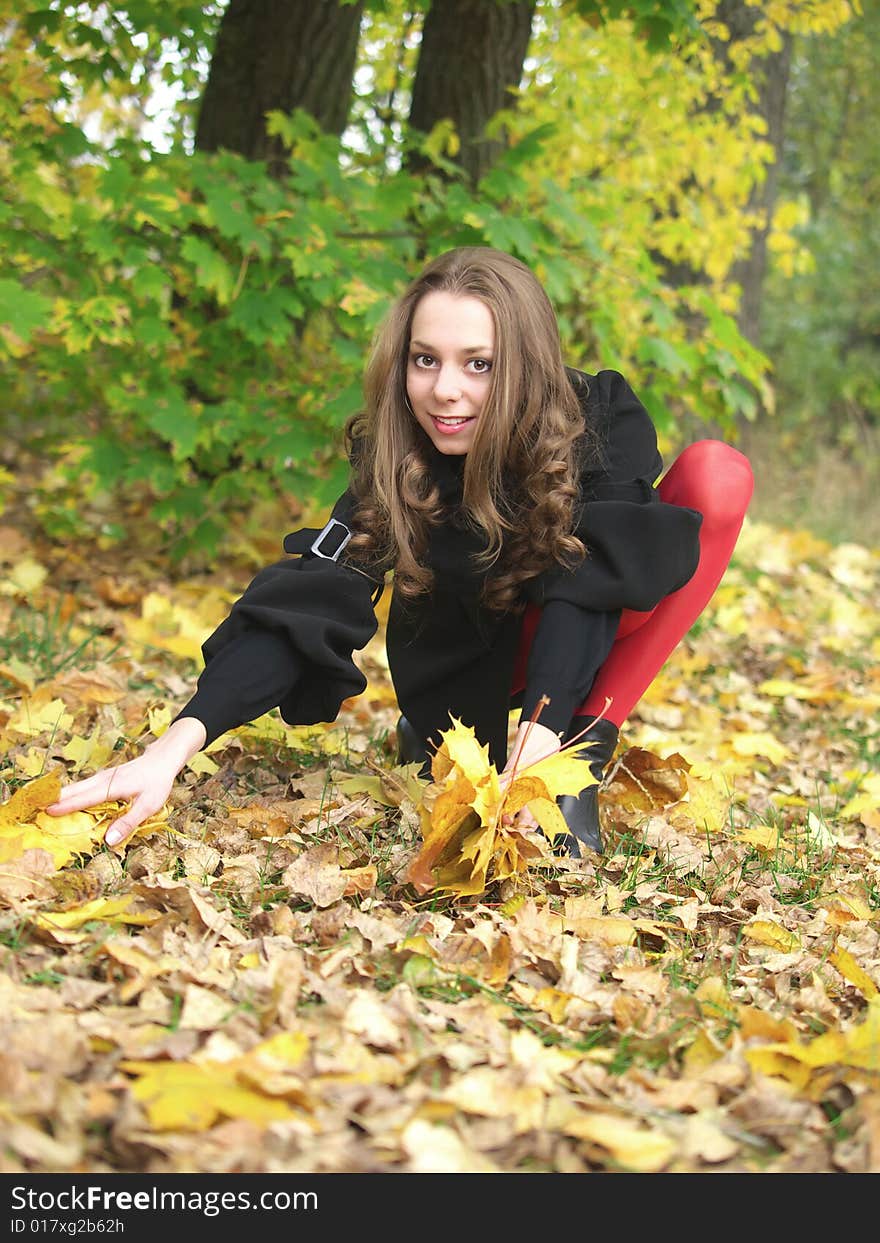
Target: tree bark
[[472, 53], [278, 54], [771, 75]]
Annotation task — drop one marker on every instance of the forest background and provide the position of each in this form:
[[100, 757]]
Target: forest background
[[204, 211], [207, 208]]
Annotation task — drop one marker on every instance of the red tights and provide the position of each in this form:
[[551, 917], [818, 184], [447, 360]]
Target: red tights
[[715, 479]]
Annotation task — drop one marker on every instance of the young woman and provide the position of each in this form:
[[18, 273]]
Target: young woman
[[514, 499]]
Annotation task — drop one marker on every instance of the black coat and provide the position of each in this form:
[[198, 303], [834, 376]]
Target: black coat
[[449, 655]]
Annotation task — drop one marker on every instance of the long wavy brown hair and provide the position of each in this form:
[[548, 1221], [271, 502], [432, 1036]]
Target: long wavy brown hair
[[520, 477]]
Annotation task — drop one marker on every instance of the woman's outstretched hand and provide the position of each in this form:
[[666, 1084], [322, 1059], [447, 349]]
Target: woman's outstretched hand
[[146, 780], [533, 742]]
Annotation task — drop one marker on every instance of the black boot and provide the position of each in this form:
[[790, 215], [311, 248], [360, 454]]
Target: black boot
[[412, 749], [581, 811]]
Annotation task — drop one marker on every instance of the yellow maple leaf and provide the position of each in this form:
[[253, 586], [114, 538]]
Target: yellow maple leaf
[[202, 764], [190, 1096], [168, 626], [754, 744], [460, 749], [628, 1141], [549, 817], [27, 800], [764, 837], [553, 1001], [26, 576], [766, 932], [843, 960], [280, 1052], [30, 763], [758, 1024], [858, 1047], [708, 800], [92, 750], [77, 833], [564, 772], [158, 719], [848, 906], [781, 688], [24, 825], [105, 910], [467, 844], [866, 799], [35, 717], [23, 676]]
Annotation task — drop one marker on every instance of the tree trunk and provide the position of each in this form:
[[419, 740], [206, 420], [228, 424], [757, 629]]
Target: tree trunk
[[278, 54], [750, 272], [771, 75], [472, 53]]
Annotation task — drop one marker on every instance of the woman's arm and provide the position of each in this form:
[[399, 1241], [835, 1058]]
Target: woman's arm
[[288, 642], [570, 645], [147, 780], [249, 676], [639, 549]]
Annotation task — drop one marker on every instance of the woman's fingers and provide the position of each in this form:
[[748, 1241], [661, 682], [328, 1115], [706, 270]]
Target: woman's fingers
[[523, 819], [101, 788], [141, 809], [147, 782]]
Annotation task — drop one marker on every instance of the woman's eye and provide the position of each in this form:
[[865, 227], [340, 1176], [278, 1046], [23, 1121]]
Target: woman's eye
[[423, 360], [481, 365]]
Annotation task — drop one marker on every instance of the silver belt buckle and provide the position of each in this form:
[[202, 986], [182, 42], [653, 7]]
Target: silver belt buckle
[[316, 545]]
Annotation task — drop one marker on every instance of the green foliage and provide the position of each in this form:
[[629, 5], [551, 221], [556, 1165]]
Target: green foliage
[[185, 333], [657, 21], [822, 303]]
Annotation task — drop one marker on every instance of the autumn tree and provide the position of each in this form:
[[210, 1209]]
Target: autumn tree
[[182, 330], [768, 66], [471, 58], [277, 57], [822, 307]]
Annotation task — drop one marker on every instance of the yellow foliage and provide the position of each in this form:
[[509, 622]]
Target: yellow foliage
[[29, 799], [37, 716], [24, 578], [843, 960], [169, 627], [258, 1085], [857, 1047], [631, 1144], [104, 910], [867, 799], [25, 825], [188, 1096], [767, 933], [92, 751], [468, 843], [755, 744]]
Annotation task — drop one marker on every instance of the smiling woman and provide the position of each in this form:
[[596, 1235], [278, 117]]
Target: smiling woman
[[535, 563], [447, 380]]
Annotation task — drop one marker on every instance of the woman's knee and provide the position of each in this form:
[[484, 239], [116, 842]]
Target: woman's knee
[[713, 478]]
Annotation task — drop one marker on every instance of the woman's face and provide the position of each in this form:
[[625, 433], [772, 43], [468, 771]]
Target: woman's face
[[448, 371]]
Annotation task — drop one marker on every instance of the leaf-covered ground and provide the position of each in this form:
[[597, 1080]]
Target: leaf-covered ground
[[252, 985]]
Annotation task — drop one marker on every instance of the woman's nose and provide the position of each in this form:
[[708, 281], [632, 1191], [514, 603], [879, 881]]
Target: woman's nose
[[447, 386]]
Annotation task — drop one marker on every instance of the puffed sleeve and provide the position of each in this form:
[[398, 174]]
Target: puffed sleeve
[[289, 640], [639, 549]]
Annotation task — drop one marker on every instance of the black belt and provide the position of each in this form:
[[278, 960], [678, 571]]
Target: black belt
[[328, 544]]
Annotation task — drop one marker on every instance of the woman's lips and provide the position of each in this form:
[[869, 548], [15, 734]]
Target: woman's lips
[[450, 429]]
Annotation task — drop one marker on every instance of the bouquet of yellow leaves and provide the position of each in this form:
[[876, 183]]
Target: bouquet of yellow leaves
[[471, 838]]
